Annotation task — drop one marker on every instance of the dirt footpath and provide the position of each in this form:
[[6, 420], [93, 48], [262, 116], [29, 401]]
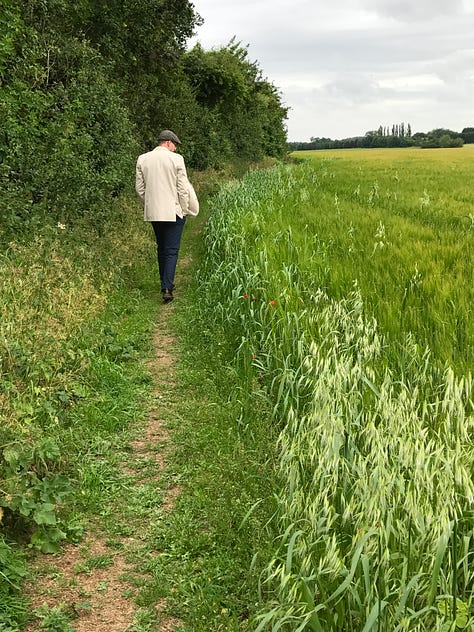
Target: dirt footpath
[[99, 597]]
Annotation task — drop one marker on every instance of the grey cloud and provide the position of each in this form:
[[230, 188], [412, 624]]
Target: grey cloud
[[456, 67], [363, 49], [353, 89], [407, 10], [350, 65]]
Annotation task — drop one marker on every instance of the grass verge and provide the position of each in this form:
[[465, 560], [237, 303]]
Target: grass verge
[[204, 557], [185, 539]]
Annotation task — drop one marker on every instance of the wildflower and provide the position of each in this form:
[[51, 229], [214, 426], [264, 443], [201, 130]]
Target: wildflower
[[254, 357], [254, 298], [245, 296], [61, 226], [272, 303]]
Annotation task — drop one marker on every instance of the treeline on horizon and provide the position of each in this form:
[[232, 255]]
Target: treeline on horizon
[[398, 135], [85, 87]]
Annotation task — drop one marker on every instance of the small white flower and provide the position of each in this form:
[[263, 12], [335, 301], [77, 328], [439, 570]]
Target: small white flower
[[61, 226]]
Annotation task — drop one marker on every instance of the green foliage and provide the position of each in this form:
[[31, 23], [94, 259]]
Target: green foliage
[[143, 42], [398, 138], [467, 134], [12, 572], [221, 77], [32, 490], [86, 87], [10, 26], [54, 619], [65, 149], [248, 114], [12, 568], [371, 535], [69, 338], [440, 138], [447, 141]]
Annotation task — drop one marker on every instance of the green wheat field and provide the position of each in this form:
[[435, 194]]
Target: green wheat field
[[345, 284]]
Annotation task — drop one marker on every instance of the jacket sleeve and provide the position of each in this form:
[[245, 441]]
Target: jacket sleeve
[[182, 184], [140, 182], [193, 204]]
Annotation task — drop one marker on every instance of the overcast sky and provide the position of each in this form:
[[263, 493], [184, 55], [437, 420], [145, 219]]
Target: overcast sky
[[344, 67]]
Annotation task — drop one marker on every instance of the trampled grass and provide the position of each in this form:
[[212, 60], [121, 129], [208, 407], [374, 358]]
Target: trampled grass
[[345, 288]]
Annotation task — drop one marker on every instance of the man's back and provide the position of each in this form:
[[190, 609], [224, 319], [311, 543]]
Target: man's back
[[162, 184]]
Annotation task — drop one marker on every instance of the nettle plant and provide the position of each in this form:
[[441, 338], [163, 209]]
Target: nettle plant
[[31, 491]]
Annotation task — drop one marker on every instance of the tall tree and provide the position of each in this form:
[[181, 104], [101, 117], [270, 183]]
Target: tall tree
[[468, 134], [87, 85], [247, 111]]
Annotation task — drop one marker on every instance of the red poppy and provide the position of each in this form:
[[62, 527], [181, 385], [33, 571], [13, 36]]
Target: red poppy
[[254, 357], [245, 296], [272, 302]]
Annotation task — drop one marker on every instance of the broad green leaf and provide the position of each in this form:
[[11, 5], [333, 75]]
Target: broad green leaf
[[45, 514]]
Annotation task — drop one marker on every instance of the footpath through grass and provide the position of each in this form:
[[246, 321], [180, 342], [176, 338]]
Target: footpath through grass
[[205, 554], [264, 453], [121, 410]]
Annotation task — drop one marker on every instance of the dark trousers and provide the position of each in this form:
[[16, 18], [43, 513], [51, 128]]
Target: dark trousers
[[168, 239]]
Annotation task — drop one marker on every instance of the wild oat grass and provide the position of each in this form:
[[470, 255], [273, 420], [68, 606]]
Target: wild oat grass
[[327, 282]]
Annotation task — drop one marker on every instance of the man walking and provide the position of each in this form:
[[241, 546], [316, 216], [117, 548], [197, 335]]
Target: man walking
[[167, 197]]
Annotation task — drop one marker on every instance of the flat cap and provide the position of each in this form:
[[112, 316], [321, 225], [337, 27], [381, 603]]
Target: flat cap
[[167, 134]]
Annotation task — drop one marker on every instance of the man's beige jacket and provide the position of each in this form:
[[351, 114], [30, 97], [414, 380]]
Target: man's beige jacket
[[163, 186]]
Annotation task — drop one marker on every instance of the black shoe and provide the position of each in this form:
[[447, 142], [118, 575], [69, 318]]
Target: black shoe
[[167, 296]]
